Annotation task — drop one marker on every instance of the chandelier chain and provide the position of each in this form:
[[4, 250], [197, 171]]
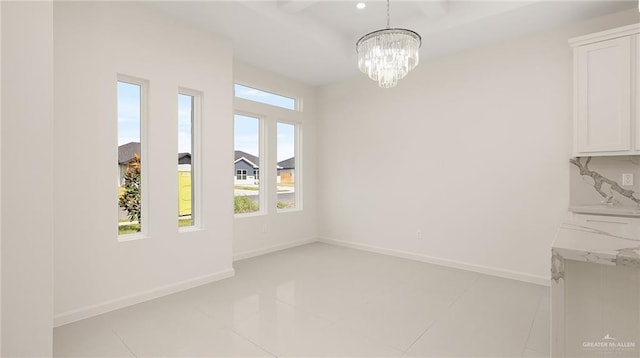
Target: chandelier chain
[[388, 16]]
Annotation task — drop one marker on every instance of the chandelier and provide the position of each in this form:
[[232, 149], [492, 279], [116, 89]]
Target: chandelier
[[387, 55]]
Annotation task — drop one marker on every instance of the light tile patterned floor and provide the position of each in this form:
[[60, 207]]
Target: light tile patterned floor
[[324, 300]]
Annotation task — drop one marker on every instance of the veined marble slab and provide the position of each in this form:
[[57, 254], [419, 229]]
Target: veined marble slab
[[588, 244], [604, 292]]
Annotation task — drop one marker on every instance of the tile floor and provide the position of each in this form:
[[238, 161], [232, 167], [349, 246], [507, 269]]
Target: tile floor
[[324, 300]]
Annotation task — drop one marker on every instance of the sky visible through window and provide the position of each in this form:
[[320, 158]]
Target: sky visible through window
[[264, 97], [286, 141], [129, 117], [246, 137], [184, 123], [128, 113], [246, 131]]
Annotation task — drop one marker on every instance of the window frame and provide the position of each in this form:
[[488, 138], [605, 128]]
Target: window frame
[[262, 146], [144, 155], [297, 155], [196, 160]]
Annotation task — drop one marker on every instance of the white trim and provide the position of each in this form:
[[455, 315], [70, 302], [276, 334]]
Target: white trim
[[248, 161], [493, 271], [605, 35], [142, 296], [270, 249]]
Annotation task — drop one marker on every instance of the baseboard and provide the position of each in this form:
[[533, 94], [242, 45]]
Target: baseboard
[[270, 249], [493, 271], [111, 305]]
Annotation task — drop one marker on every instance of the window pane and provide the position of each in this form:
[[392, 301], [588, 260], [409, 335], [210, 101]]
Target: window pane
[[257, 95], [129, 158], [186, 197], [286, 166], [247, 159]]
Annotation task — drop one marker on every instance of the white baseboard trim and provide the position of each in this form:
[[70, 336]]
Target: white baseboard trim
[[493, 271], [111, 305], [270, 249]]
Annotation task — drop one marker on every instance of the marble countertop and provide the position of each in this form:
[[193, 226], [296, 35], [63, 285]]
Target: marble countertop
[[588, 244], [604, 209]]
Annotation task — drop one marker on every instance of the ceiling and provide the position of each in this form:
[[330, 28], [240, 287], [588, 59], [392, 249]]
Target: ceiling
[[314, 41]]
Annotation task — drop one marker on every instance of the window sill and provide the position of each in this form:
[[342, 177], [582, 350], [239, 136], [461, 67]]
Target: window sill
[[132, 237], [248, 215], [187, 229], [294, 210]]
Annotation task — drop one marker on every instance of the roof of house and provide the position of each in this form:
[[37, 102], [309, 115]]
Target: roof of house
[[184, 158], [127, 151], [252, 159], [287, 163]]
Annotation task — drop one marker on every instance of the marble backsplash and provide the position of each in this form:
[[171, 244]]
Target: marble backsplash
[[595, 180]]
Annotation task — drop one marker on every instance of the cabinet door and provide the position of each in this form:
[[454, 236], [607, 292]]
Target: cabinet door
[[603, 103]]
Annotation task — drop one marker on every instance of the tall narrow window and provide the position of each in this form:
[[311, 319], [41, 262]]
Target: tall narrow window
[[287, 157], [186, 160], [246, 164], [130, 155]]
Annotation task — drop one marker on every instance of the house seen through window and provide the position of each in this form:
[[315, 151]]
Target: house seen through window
[[246, 164], [286, 178]]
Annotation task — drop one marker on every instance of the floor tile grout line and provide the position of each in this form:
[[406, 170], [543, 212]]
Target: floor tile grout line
[[533, 321], [252, 342], [124, 343], [456, 299], [535, 350], [224, 326], [420, 336]]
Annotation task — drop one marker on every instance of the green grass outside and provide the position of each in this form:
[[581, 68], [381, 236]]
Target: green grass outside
[[128, 229], [185, 222], [243, 204], [241, 187], [135, 228], [285, 205]]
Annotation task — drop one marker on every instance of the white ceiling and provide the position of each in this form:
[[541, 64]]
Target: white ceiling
[[314, 41]]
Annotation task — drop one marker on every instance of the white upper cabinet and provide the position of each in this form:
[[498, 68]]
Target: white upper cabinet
[[606, 71]]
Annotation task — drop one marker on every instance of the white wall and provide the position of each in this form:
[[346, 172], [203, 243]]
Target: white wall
[[27, 172], [254, 235], [471, 148], [95, 41]]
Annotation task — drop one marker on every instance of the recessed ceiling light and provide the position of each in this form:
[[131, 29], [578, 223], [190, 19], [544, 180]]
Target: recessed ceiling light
[[361, 5]]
